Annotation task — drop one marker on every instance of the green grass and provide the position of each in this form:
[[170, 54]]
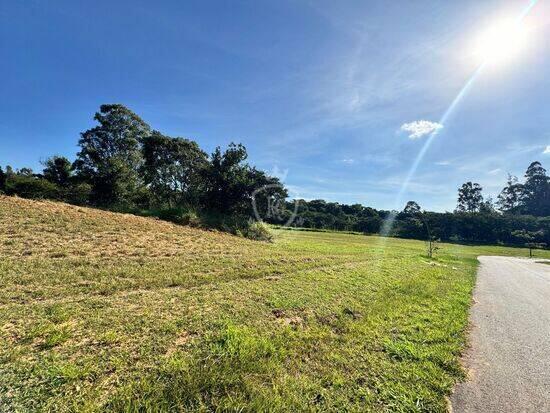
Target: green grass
[[112, 312]]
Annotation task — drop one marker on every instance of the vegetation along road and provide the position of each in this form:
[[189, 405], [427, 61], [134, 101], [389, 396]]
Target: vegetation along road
[[101, 311], [509, 359]]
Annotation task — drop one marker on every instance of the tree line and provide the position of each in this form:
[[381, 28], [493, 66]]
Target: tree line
[[122, 164], [520, 215]]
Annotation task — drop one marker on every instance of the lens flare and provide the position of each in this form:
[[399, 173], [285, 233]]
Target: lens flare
[[501, 42], [504, 39]]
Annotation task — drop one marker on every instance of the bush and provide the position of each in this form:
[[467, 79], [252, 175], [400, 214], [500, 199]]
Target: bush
[[78, 194], [190, 218], [31, 187], [258, 231], [176, 215]]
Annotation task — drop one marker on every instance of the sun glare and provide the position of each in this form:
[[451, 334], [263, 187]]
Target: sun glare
[[501, 42]]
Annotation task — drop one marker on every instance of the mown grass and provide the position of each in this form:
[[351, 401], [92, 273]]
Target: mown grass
[[111, 312]]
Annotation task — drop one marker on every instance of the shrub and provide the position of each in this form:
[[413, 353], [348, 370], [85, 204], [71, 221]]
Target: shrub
[[175, 215], [190, 218], [258, 231], [78, 194], [31, 187]]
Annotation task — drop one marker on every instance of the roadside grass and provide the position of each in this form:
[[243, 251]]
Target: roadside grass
[[111, 312]]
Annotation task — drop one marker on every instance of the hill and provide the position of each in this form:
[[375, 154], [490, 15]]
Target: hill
[[112, 312]]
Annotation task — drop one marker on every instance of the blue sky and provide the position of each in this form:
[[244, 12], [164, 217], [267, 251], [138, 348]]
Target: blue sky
[[318, 91]]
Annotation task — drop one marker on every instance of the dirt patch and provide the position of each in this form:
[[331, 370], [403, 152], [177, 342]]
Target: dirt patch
[[287, 319]]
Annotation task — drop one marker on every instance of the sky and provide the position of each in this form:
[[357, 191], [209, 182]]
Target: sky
[[336, 98]]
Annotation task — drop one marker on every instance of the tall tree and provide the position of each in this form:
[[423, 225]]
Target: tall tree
[[470, 198], [509, 199], [58, 170], [226, 179], [173, 169], [412, 208], [536, 191], [110, 155]]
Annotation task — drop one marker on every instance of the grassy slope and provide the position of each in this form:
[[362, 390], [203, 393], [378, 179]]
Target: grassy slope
[[103, 311]]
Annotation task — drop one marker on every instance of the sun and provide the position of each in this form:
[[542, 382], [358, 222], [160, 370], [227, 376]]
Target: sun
[[500, 42]]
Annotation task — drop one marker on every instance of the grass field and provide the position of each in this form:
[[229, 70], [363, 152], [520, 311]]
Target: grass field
[[111, 312]]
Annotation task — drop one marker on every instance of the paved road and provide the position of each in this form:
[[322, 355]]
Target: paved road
[[509, 358]]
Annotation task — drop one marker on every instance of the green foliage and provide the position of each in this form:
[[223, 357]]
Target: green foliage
[[78, 193], [2, 180], [122, 165], [28, 186], [58, 170], [231, 185], [412, 208], [470, 198], [410, 227], [509, 199], [532, 239], [368, 225], [527, 236], [536, 191], [110, 155], [226, 179], [259, 231], [177, 215], [531, 197], [173, 169]]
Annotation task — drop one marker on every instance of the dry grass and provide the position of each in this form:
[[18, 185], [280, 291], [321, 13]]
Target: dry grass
[[57, 230]]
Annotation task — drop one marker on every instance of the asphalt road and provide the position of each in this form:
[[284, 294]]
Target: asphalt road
[[508, 360]]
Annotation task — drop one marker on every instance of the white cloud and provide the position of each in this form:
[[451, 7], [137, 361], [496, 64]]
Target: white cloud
[[547, 150], [420, 128], [494, 171]]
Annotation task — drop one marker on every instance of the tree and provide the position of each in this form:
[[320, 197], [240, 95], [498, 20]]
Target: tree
[[412, 208], [469, 197], [28, 172], [368, 225], [432, 245], [58, 170], [225, 179], [487, 206], [110, 155], [2, 180], [531, 239], [536, 191], [411, 227], [266, 196], [509, 199], [231, 184], [173, 168]]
